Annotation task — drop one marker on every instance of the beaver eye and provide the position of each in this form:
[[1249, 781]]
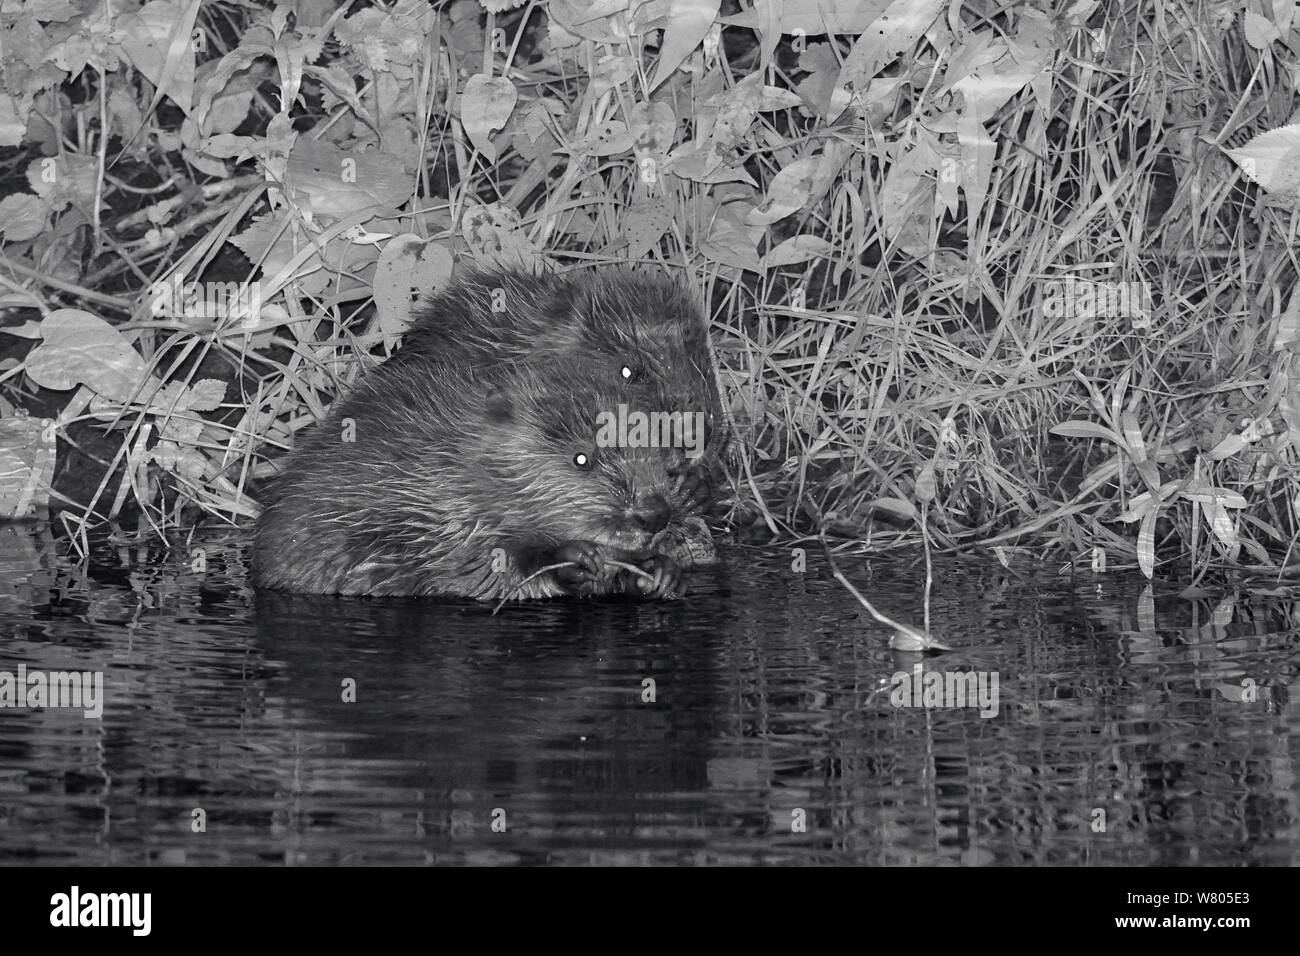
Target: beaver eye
[[630, 373], [583, 461]]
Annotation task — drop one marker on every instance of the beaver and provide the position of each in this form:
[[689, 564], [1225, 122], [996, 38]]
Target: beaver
[[643, 335], [464, 481]]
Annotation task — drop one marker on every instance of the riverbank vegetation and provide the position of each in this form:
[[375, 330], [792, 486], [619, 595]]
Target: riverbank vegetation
[[1028, 273]]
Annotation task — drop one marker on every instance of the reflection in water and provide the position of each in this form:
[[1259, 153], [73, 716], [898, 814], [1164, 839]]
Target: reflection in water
[[749, 723]]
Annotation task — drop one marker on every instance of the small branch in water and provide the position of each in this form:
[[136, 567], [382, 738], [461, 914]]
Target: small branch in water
[[906, 637]]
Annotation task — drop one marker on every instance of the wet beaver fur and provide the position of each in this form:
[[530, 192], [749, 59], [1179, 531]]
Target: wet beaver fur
[[643, 335], [465, 481], [626, 327]]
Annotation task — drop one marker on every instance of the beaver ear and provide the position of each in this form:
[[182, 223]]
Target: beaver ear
[[498, 405]]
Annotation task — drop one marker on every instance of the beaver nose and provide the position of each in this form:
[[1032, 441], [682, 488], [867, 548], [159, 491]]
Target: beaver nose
[[652, 514]]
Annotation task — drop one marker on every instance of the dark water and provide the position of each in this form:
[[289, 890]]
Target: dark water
[[1129, 729]]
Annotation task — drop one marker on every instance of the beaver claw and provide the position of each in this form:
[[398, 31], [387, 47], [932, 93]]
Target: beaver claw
[[667, 581], [584, 571], [586, 574]]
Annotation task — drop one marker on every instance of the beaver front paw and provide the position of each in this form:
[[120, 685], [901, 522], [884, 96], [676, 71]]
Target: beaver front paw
[[694, 487], [584, 572], [667, 578]]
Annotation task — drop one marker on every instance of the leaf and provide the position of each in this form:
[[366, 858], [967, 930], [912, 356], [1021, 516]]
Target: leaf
[[653, 126], [695, 162], [485, 106], [775, 98], [1146, 547], [801, 17], [228, 112], [978, 151], [341, 182], [767, 14], [730, 246], [27, 459], [896, 506], [610, 139], [229, 146], [496, 236], [157, 42], [206, 395], [12, 125], [1233, 692], [337, 85], [68, 180], [891, 35], [1216, 516], [989, 88], [1215, 496], [408, 264], [644, 223], [907, 187], [188, 462], [1117, 394], [204, 164], [78, 348], [1083, 429], [1227, 448], [787, 192], [688, 23], [47, 11], [1133, 436], [1260, 33], [612, 71], [1146, 612], [1139, 506], [737, 108], [1150, 474], [1272, 159], [907, 638], [820, 88], [925, 484], [798, 249], [1288, 325], [22, 217]]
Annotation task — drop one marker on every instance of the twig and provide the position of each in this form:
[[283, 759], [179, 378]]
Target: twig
[[906, 637]]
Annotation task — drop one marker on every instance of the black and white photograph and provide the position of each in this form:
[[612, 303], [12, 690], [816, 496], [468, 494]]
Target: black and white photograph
[[652, 434]]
